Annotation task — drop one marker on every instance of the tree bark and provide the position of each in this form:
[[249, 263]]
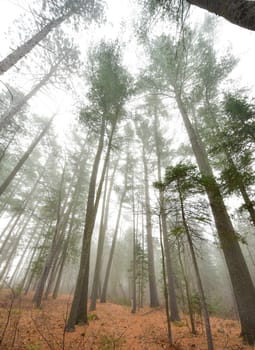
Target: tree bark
[[239, 274], [239, 12], [101, 239], [168, 318], [114, 240], [25, 48], [197, 274], [82, 315], [187, 289], [170, 273], [133, 299], [88, 230], [154, 301]]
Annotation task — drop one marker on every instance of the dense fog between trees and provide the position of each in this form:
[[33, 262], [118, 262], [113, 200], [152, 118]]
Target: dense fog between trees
[[127, 163]]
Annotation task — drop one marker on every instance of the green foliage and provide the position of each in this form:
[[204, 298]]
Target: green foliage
[[177, 231], [185, 177], [110, 86], [93, 317]]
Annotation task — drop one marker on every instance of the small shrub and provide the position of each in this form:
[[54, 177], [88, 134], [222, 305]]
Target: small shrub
[[34, 346], [93, 317], [111, 342]]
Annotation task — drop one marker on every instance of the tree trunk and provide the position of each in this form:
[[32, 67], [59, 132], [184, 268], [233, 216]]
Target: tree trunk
[[22, 209], [168, 319], [101, 239], [187, 289], [239, 274], [67, 240], [154, 302], [239, 12], [52, 276], [29, 265], [7, 118], [170, 274], [197, 274], [82, 315], [133, 299], [14, 245], [19, 266], [25, 156], [114, 240], [25, 48], [28, 284], [88, 231]]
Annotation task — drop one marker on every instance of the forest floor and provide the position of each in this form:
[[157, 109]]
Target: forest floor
[[111, 327]]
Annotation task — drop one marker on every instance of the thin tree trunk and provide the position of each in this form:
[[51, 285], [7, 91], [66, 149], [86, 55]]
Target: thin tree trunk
[[170, 274], [19, 266], [197, 273], [62, 218], [52, 276], [7, 146], [25, 48], [133, 299], [10, 196], [154, 301], [29, 265], [15, 244], [168, 319], [188, 295], [114, 240], [82, 315], [239, 274], [88, 230], [39, 256], [101, 239], [60, 271], [25, 156], [7, 118], [22, 209]]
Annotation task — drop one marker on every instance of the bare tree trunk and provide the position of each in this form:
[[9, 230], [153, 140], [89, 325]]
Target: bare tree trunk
[[154, 301], [32, 276], [29, 265], [188, 295], [197, 273], [239, 12], [52, 276], [7, 118], [239, 274], [82, 315], [8, 144], [170, 273], [101, 239], [168, 319], [88, 231], [16, 243], [133, 299], [13, 191], [25, 156], [25, 48], [114, 240], [19, 266]]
